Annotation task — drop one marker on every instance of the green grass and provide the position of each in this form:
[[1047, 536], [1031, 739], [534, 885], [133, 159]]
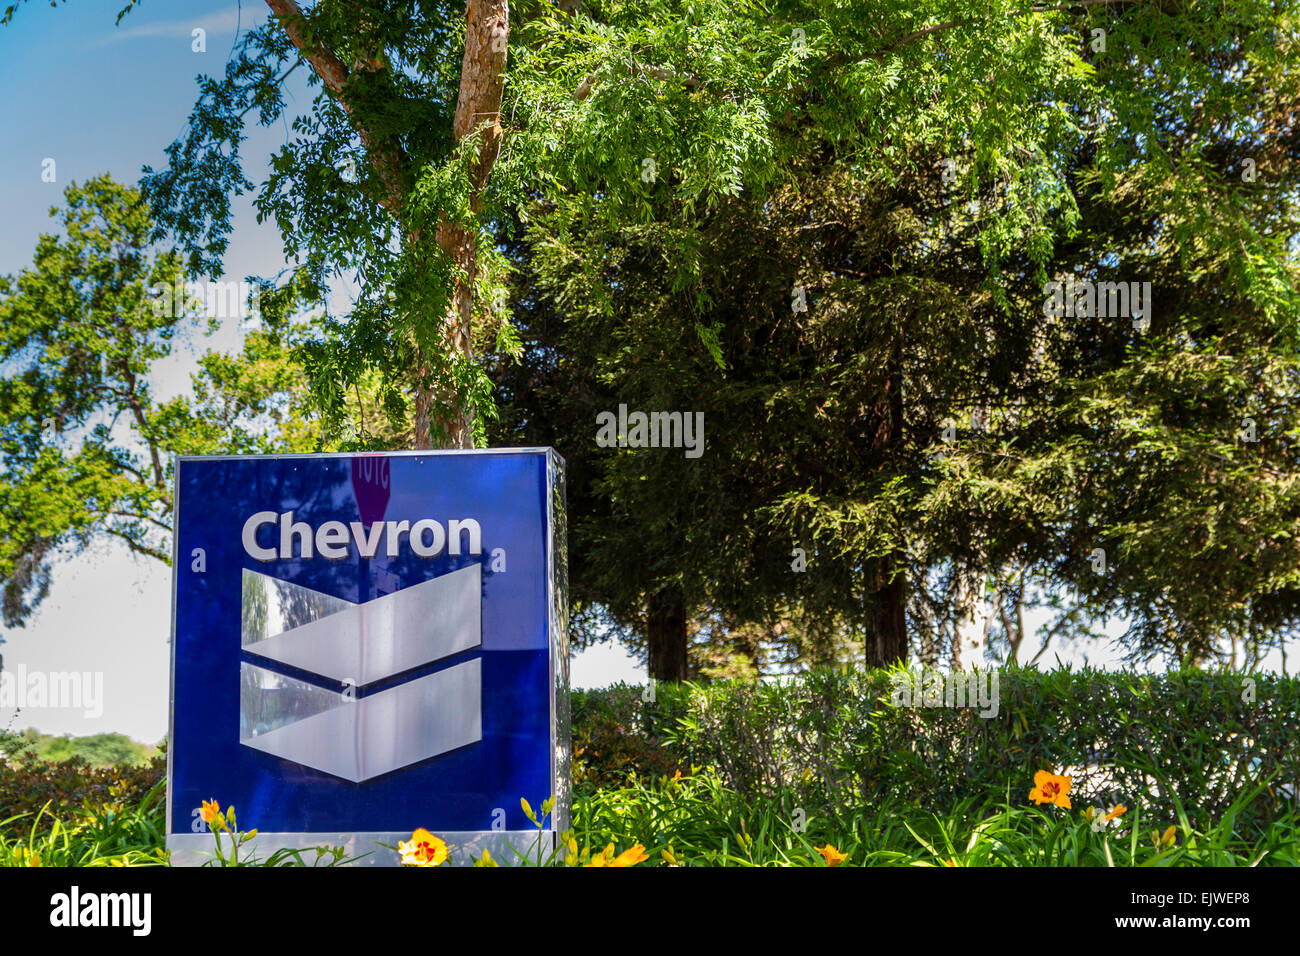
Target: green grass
[[702, 823], [105, 834]]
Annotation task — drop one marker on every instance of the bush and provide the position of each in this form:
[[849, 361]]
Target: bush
[[616, 732], [71, 786], [831, 742]]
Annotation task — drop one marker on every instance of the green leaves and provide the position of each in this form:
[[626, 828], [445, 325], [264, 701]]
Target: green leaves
[[87, 447]]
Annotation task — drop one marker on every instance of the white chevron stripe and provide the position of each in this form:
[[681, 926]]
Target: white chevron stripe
[[364, 738], [363, 643]]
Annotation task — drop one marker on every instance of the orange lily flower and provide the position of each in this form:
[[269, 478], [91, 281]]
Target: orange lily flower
[[209, 811], [630, 857], [1050, 788], [423, 849], [831, 855]]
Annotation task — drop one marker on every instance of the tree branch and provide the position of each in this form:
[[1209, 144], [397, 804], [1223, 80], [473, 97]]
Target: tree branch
[[387, 158], [139, 548], [135, 517], [639, 69]]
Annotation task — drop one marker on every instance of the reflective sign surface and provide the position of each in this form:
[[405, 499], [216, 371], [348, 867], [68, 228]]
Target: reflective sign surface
[[366, 644]]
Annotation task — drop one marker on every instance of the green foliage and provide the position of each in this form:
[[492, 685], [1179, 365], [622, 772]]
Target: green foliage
[[119, 832], [68, 786], [614, 732], [698, 821], [766, 775], [832, 743], [87, 445], [695, 820], [97, 750], [238, 849], [919, 170], [77, 335], [361, 188]]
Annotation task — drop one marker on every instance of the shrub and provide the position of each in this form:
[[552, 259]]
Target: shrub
[[69, 786], [831, 742], [616, 732]]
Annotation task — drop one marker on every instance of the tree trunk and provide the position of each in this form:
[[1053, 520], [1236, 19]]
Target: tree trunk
[[887, 628], [666, 636], [445, 408], [886, 641], [478, 106]]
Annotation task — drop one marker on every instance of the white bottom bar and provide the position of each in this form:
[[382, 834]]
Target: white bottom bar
[[198, 849]]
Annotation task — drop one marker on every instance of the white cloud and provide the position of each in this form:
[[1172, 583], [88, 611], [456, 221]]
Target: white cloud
[[221, 22]]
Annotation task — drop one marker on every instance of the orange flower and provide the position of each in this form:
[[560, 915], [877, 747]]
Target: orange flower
[[629, 857], [209, 811], [423, 849], [1116, 811], [831, 855], [1049, 788]]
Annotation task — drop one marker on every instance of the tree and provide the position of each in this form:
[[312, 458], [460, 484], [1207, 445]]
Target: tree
[[684, 170], [87, 447], [1084, 163], [786, 114]]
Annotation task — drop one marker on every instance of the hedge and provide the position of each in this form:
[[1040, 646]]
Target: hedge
[[68, 786], [833, 742]]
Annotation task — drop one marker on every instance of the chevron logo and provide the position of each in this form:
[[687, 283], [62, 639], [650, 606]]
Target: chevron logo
[[357, 735]]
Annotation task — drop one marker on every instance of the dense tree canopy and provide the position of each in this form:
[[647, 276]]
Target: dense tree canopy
[[983, 306], [921, 409]]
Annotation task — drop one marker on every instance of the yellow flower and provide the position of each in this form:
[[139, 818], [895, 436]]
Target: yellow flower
[[1165, 839], [209, 811], [486, 860], [831, 855], [667, 853], [1049, 788], [601, 859], [629, 857], [423, 849]]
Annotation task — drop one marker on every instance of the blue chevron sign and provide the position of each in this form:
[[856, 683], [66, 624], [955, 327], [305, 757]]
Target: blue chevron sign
[[365, 644]]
